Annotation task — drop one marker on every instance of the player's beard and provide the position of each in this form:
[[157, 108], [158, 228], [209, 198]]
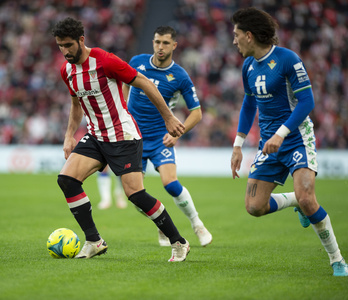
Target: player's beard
[[163, 58], [73, 59]]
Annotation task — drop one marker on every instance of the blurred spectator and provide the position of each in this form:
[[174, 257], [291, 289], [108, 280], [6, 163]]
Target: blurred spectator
[[34, 102], [32, 92], [317, 30]]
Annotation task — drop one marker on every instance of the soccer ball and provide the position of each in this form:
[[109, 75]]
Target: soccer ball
[[63, 243]]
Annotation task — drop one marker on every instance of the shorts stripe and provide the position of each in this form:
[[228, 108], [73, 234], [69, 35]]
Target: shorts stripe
[[156, 211], [77, 200]]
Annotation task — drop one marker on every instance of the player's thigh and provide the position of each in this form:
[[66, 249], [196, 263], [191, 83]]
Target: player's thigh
[[132, 182], [167, 173], [80, 167], [258, 193]]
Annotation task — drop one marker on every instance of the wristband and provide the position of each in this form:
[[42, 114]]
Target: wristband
[[283, 131], [238, 142]]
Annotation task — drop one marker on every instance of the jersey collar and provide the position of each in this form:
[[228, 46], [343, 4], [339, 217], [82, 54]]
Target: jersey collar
[[159, 68], [267, 55]]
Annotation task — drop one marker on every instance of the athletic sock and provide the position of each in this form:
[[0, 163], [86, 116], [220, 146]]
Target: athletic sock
[[83, 216], [184, 202], [322, 226], [119, 191], [79, 205], [280, 201], [156, 211], [104, 186]]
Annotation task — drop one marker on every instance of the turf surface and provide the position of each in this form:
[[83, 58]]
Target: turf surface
[[270, 257]]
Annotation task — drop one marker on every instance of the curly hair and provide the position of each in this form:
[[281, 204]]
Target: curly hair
[[68, 27], [259, 23], [162, 30]]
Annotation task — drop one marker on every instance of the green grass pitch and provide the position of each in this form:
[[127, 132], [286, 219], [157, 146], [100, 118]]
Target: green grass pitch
[[271, 257]]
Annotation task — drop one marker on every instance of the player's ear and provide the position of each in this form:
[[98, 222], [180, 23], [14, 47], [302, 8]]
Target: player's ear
[[174, 45], [249, 35], [82, 39]]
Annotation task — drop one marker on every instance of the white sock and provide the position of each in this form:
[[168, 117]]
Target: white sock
[[185, 203], [285, 200], [327, 237], [119, 192], [104, 187]]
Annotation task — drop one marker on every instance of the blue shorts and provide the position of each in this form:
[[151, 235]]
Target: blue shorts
[[275, 167], [155, 151]]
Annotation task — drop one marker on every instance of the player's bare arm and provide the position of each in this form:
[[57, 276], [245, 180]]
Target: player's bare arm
[[75, 118], [193, 118], [125, 91], [174, 126], [237, 156]]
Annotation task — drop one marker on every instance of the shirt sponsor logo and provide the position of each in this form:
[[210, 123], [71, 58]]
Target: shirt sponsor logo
[[87, 93], [261, 90]]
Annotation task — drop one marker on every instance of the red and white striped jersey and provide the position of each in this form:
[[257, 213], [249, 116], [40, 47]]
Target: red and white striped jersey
[[98, 85]]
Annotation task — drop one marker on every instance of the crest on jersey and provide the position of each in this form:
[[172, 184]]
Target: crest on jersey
[[170, 77], [142, 68], [93, 74], [272, 64]]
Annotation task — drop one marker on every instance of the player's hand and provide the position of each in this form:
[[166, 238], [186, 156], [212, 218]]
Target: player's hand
[[273, 144], [169, 141], [175, 127], [236, 161], [68, 147]]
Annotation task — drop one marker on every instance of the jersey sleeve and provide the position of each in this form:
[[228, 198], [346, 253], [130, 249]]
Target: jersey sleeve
[[297, 75], [133, 61], [65, 78], [296, 72], [246, 66], [188, 92], [117, 68], [247, 114]]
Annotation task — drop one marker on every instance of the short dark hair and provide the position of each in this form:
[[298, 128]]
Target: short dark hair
[[258, 22], [162, 30], [68, 27]]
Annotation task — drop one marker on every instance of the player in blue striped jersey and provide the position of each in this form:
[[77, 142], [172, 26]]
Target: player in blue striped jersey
[[173, 82], [277, 85]]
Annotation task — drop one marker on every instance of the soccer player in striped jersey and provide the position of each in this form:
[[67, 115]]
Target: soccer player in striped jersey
[[276, 83], [94, 78], [173, 82]]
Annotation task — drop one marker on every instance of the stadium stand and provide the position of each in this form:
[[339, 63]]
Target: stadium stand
[[35, 104]]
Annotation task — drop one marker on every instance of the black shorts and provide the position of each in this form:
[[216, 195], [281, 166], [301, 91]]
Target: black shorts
[[122, 157]]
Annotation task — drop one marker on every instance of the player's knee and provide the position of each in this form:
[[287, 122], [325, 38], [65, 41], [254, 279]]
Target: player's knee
[[255, 210], [143, 200], [69, 185], [306, 198]]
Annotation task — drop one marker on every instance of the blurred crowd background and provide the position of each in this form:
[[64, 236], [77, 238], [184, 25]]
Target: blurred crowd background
[[35, 103]]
